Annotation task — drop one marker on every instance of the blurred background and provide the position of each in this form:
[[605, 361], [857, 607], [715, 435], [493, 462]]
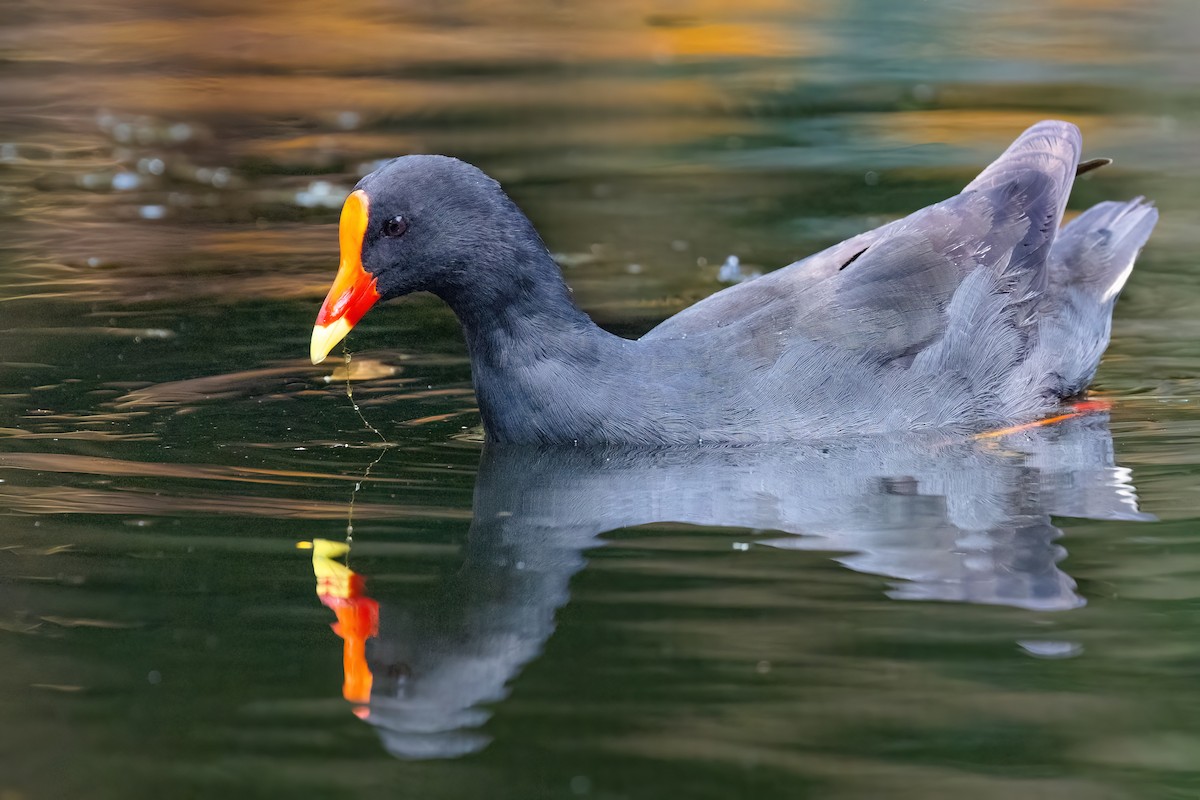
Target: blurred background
[[170, 179]]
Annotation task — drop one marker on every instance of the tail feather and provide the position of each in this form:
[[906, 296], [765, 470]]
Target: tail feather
[[1095, 252], [1089, 263]]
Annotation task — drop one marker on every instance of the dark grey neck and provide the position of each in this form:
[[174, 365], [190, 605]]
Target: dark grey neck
[[535, 356], [514, 291]]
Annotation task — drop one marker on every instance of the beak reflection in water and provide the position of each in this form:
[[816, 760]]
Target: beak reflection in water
[[343, 590]]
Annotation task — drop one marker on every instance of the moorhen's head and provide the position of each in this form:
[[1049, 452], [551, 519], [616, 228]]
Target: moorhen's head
[[418, 223]]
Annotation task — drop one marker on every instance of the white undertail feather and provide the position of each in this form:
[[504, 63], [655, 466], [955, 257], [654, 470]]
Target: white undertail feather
[[1115, 288]]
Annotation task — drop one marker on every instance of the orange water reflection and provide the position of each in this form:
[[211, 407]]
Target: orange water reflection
[[343, 590], [156, 129]]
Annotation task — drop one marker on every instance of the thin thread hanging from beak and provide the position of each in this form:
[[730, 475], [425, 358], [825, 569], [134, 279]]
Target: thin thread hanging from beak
[[387, 445]]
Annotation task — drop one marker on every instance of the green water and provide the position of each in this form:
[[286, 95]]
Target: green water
[[1011, 618]]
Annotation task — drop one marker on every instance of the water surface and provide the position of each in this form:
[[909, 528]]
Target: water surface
[[1012, 616]]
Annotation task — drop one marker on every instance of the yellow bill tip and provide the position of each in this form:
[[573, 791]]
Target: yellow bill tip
[[324, 337]]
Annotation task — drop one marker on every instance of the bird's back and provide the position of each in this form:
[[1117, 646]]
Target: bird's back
[[974, 311]]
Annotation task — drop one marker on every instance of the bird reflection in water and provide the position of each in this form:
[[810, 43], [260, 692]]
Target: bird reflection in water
[[965, 520]]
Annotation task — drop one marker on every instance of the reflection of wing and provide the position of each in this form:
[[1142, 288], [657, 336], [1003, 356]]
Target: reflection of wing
[[912, 540], [941, 550], [963, 521]]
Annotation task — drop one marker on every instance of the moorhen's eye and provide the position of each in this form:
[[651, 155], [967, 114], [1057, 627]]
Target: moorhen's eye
[[396, 226]]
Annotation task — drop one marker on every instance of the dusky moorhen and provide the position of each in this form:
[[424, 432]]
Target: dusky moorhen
[[975, 312]]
